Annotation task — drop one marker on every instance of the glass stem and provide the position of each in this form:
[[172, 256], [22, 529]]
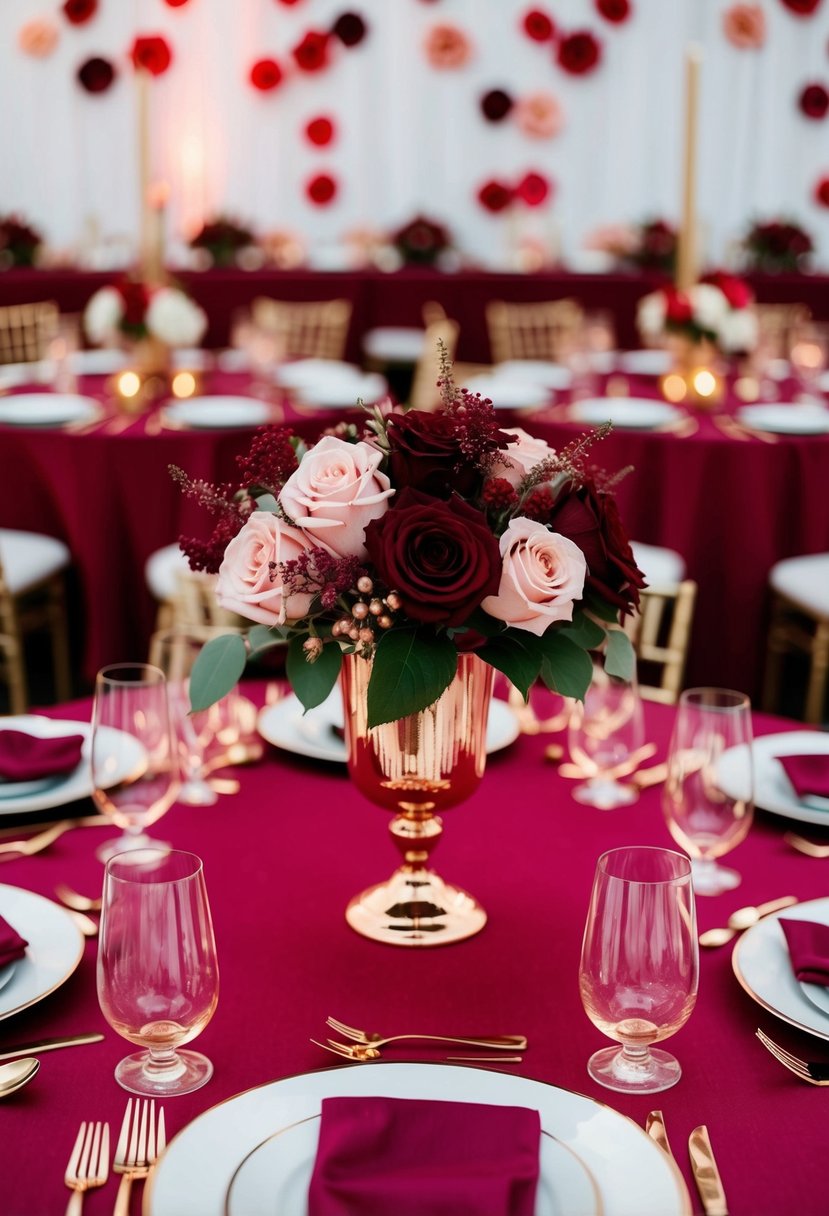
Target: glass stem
[[163, 1063]]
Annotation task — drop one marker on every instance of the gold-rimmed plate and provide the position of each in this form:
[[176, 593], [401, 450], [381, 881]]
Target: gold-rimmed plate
[[54, 951]]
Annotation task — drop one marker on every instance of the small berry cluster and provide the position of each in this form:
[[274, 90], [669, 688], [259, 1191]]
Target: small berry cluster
[[368, 613]]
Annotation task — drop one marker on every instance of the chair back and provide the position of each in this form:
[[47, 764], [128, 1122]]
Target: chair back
[[26, 331], [194, 602], [532, 331], [661, 633], [425, 394], [317, 329], [777, 321]]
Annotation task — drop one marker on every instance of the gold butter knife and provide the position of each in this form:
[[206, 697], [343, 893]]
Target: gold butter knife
[[29, 1049], [706, 1174], [655, 1127]]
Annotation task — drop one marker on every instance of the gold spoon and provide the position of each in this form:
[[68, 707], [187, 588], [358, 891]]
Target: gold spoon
[[15, 1075], [743, 919], [76, 901]]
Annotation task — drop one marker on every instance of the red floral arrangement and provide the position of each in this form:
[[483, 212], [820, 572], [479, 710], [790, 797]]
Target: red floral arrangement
[[656, 248], [19, 242], [421, 242], [777, 246], [222, 238]]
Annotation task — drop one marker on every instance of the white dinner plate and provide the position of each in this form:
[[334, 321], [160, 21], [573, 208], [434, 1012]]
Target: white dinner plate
[[14, 374], [47, 409], [217, 413], [78, 783], [535, 371], [274, 1178], [233, 360], [54, 951], [772, 789], [786, 419], [508, 393], [627, 413], [315, 734], [301, 372], [633, 1175], [762, 965], [192, 359], [646, 362], [6, 974], [102, 362], [342, 392]]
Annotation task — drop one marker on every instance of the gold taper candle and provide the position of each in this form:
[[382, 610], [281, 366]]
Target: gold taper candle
[[142, 97], [686, 263]]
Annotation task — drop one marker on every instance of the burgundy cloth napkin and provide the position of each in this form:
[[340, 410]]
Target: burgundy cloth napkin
[[808, 945], [12, 945], [410, 1157], [808, 774], [25, 757]]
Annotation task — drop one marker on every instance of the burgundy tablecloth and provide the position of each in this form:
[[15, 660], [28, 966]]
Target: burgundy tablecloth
[[281, 861]]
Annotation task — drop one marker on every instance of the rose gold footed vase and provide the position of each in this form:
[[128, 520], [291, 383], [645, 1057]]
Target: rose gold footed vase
[[416, 767]]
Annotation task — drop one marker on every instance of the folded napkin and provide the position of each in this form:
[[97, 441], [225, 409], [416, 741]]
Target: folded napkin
[[808, 945], [25, 757], [12, 945], [409, 1157], [808, 774]]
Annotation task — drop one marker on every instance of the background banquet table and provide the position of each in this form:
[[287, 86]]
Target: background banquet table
[[282, 859]]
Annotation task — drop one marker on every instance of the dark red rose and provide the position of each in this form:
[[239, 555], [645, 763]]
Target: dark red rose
[[533, 189], [265, 75], [538, 26], [440, 557], [78, 12], [814, 101], [320, 131], [136, 298], [495, 195], [495, 105], [96, 75], [678, 309], [801, 8], [321, 189], [616, 11], [736, 290], [350, 28], [579, 53], [822, 192], [311, 55], [590, 519], [152, 53], [426, 455]]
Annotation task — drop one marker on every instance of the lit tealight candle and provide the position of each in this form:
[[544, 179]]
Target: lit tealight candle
[[674, 387], [705, 383], [129, 384], [184, 384]]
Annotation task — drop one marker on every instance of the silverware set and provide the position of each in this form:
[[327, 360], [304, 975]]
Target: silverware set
[[365, 1046], [703, 1163], [141, 1142]]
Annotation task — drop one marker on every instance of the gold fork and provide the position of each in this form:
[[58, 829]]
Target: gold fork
[[802, 845], [76, 901], [139, 1147], [805, 1070], [88, 1165], [42, 840], [363, 1053], [501, 1042]]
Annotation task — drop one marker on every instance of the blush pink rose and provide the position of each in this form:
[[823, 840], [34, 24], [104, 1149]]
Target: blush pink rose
[[523, 454], [335, 492], [542, 574], [250, 582], [539, 115]]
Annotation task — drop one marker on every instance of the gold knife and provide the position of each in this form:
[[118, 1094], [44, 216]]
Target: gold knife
[[655, 1127], [706, 1174], [29, 1049]]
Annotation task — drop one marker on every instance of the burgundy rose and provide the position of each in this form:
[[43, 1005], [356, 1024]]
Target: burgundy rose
[[538, 26], [151, 53], [311, 55], [136, 298], [426, 455], [96, 75], [495, 196], [495, 105], [321, 189], [822, 192], [616, 11], [801, 8], [78, 12], [736, 290], [440, 557], [265, 75], [814, 101], [579, 53], [350, 28], [533, 189], [590, 518], [320, 131]]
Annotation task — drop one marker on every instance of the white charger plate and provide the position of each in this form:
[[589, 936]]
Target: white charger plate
[[54, 951], [761, 964], [633, 1175], [535, 371], [342, 392], [301, 372], [772, 789], [314, 734], [217, 413], [627, 413], [786, 419], [102, 362], [47, 409], [646, 362], [274, 1178], [508, 393]]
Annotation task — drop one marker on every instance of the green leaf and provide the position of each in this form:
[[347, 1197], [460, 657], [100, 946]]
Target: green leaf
[[312, 682], [218, 666], [518, 655], [260, 638], [600, 608], [409, 673], [566, 668], [620, 658], [583, 631], [266, 502]]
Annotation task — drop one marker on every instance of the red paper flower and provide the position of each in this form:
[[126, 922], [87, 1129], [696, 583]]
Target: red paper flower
[[265, 75], [495, 105], [311, 55], [616, 11], [350, 28], [533, 189], [78, 12], [814, 101], [822, 192], [538, 26], [320, 131], [96, 75], [321, 189], [579, 53], [494, 196], [175, 3], [801, 8], [151, 53]]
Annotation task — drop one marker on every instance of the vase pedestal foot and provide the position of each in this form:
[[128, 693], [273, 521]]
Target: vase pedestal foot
[[415, 908]]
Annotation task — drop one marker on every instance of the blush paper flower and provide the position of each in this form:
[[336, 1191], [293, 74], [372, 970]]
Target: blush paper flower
[[447, 47], [744, 25], [539, 115], [38, 38]]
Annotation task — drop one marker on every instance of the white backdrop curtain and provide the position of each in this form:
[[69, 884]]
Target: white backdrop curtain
[[411, 138]]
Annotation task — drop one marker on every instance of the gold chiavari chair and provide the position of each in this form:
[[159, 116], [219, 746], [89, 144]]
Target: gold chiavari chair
[[799, 623], [425, 394], [32, 598], [183, 596], [316, 329], [532, 331], [777, 322], [661, 633], [26, 331]]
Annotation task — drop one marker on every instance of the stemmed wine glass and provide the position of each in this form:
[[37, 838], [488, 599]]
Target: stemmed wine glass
[[708, 797], [639, 965], [158, 978], [134, 771], [604, 734]]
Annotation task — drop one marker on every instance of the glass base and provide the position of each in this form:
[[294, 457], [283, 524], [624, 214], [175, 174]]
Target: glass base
[[415, 908], [129, 844], [604, 795], [649, 1073], [189, 1070], [197, 793], [711, 879]]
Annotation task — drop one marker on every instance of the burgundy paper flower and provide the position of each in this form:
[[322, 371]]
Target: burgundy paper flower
[[814, 101], [495, 105], [311, 54], [494, 196], [822, 192], [320, 131], [96, 75], [616, 11], [321, 189], [350, 28], [538, 26], [78, 12], [151, 53], [579, 53], [801, 8], [265, 75], [533, 189]]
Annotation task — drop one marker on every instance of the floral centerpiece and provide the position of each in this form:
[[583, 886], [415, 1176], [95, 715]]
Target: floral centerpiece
[[133, 310], [717, 310], [421, 242], [777, 246], [647, 246], [223, 239], [19, 242]]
